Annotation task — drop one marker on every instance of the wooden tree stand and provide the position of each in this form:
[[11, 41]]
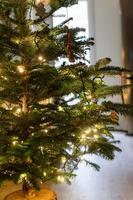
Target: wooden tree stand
[[43, 194]]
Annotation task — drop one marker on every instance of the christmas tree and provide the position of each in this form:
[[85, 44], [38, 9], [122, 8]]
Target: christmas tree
[[51, 117]]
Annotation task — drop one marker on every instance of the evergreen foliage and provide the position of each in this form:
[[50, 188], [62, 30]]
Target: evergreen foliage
[[50, 117]]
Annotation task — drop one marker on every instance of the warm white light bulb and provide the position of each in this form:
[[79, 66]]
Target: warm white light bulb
[[63, 159], [41, 149], [46, 130], [18, 110], [89, 97], [44, 173], [85, 108], [15, 143], [17, 41], [21, 69], [98, 81], [95, 130], [61, 179], [96, 136], [99, 126], [3, 77], [81, 157], [83, 136], [73, 76], [88, 130], [60, 108], [40, 58], [22, 177]]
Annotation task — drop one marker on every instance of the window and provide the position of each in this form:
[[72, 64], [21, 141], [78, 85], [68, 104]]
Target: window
[[79, 13]]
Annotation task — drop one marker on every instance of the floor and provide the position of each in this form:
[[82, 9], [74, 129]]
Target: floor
[[113, 182]]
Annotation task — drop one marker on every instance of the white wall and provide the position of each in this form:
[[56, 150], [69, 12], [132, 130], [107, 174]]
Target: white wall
[[108, 37], [105, 27], [108, 30]]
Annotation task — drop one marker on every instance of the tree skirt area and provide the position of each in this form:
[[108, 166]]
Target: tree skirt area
[[38, 195], [13, 192]]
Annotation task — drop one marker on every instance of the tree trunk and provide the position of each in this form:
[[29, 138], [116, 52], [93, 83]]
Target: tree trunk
[[28, 191]]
